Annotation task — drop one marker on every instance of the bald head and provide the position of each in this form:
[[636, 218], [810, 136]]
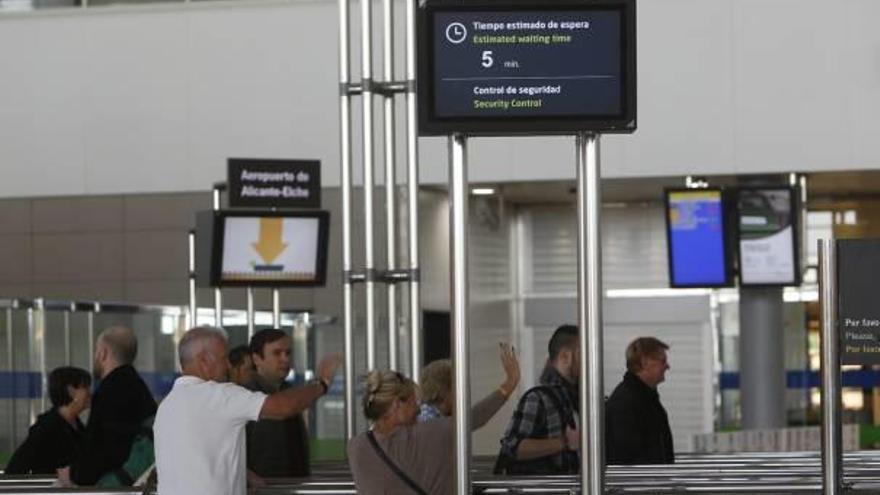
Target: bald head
[[203, 353], [121, 343]]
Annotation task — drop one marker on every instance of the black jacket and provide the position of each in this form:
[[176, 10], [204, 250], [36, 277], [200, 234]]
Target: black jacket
[[636, 426], [119, 407], [277, 448], [51, 443]]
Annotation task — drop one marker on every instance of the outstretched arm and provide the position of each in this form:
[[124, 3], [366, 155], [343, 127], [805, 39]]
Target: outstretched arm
[[287, 403], [484, 410]]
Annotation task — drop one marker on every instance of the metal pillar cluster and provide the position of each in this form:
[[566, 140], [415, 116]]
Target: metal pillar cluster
[[372, 277]]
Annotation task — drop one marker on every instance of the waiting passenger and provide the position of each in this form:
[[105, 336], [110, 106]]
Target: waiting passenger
[[436, 387], [200, 426], [241, 366], [56, 438], [636, 425], [399, 455], [437, 398], [275, 448], [121, 409], [542, 436]]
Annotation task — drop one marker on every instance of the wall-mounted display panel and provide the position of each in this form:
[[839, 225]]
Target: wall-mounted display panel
[[697, 238], [767, 226]]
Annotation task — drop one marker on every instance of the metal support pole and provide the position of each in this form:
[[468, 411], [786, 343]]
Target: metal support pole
[[250, 312], [37, 352], [412, 183], [10, 359], [390, 178], [67, 338], [458, 215], [345, 164], [276, 308], [592, 404], [218, 294], [90, 325], [193, 304], [832, 457], [369, 180]]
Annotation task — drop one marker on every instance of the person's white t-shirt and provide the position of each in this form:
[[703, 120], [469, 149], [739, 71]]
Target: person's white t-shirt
[[200, 437]]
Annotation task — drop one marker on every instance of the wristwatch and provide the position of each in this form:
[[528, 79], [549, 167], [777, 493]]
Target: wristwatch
[[324, 386]]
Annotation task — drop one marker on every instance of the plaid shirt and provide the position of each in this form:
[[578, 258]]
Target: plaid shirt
[[537, 416]]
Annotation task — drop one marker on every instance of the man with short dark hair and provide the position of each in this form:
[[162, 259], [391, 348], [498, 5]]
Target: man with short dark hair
[[542, 436], [275, 448], [636, 425], [121, 407]]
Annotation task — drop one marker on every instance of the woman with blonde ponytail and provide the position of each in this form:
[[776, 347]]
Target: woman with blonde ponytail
[[399, 455]]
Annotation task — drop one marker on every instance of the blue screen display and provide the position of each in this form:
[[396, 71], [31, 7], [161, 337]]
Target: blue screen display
[[696, 239]]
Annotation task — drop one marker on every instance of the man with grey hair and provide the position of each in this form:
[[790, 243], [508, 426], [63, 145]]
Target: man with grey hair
[[200, 426], [121, 406]]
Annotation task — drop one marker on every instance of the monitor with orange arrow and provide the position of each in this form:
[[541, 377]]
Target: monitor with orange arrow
[[270, 248]]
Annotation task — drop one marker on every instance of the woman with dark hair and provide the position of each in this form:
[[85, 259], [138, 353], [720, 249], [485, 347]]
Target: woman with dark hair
[[54, 440]]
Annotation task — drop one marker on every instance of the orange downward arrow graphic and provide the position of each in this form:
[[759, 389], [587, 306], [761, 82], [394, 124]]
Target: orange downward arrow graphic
[[270, 245]]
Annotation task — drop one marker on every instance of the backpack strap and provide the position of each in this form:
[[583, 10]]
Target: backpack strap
[[400, 474], [547, 391]]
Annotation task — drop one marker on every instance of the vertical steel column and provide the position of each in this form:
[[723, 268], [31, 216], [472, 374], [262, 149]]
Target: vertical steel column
[[218, 295], [37, 352], [10, 359], [458, 226], [250, 312], [412, 183], [592, 404], [276, 309], [345, 163], [832, 458], [90, 322], [67, 334], [369, 180], [390, 178], [193, 304]]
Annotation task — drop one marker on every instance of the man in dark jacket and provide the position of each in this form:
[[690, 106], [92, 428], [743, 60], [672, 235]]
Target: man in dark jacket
[[636, 425], [275, 448], [120, 406]]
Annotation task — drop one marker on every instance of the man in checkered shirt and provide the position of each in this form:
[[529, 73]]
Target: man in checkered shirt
[[542, 436]]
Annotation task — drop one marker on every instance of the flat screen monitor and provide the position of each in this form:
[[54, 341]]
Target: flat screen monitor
[[696, 238], [268, 248], [526, 67], [767, 225]]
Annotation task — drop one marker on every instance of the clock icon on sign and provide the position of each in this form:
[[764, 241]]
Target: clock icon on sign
[[456, 33]]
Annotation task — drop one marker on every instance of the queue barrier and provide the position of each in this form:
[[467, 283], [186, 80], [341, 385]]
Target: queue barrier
[[711, 474]]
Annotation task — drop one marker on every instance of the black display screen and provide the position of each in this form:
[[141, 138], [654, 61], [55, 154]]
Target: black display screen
[[521, 68]]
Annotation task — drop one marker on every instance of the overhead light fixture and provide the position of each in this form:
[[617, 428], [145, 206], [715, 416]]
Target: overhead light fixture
[[483, 191]]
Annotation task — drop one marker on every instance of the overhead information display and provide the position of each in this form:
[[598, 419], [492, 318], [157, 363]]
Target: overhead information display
[[516, 68], [696, 238], [274, 249], [767, 234]]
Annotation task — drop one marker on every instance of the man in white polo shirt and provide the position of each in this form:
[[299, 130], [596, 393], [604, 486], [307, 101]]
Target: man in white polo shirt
[[199, 429]]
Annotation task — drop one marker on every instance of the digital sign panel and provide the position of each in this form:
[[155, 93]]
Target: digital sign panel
[[554, 67], [265, 248], [697, 241], [767, 222]]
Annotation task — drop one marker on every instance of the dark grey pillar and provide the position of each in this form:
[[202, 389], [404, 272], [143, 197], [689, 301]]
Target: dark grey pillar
[[762, 358]]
